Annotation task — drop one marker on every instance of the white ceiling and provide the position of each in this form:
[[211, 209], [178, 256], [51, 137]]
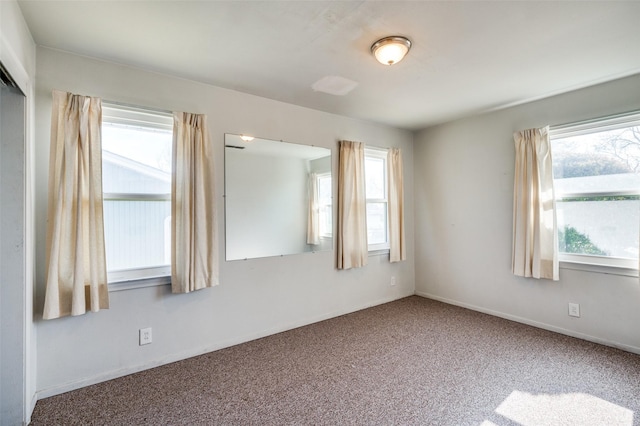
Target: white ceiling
[[467, 57]]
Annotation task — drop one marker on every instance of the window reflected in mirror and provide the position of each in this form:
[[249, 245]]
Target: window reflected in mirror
[[278, 198]]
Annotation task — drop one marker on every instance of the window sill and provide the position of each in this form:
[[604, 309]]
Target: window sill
[[134, 283], [379, 252], [599, 269]]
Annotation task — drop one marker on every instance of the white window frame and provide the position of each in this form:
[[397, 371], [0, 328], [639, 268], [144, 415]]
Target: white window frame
[[138, 117], [380, 153], [586, 262]]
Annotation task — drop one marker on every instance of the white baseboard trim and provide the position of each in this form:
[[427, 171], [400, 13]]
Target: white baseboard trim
[[544, 326], [114, 374], [30, 408]]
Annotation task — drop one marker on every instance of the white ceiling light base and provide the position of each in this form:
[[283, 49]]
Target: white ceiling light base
[[391, 50]]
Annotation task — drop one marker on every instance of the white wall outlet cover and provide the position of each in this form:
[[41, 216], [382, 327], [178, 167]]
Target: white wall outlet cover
[[145, 336], [574, 310]]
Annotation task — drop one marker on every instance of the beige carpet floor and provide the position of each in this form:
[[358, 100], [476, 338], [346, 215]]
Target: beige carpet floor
[[410, 362]]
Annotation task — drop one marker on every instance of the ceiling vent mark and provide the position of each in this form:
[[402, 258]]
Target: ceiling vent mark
[[334, 85]]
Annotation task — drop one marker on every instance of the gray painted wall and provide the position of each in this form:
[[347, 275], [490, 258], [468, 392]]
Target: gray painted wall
[[464, 193], [256, 297]]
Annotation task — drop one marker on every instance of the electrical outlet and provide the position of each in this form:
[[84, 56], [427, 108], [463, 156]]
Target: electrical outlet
[[145, 336], [574, 310], [393, 281]]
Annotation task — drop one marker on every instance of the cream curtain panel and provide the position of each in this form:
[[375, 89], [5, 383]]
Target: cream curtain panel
[[76, 265], [535, 252], [313, 221], [194, 240], [397, 248], [352, 206]]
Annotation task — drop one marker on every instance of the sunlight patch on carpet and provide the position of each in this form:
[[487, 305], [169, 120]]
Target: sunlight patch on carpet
[[568, 408]]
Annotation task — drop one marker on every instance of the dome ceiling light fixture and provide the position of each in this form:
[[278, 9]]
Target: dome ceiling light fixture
[[390, 50]]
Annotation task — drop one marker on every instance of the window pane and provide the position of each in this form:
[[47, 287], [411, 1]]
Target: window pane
[[375, 175], [136, 160], [376, 223], [596, 173], [324, 189], [604, 228], [135, 233], [605, 153], [325, 201]]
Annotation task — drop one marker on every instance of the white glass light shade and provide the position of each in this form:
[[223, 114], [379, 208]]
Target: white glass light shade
[[391, 50]]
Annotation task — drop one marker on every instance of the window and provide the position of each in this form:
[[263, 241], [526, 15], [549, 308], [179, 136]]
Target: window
[[375, 170], [596, 170], [325, 205], [136, 185]]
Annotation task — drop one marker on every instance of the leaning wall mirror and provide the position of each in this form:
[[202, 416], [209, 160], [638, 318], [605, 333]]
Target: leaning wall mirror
[[277, 198]]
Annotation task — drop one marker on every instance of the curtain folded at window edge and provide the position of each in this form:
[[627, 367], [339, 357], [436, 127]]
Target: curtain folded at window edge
[[535, 239], [76, 261], [397, 244], [352, 212], [194, 227]]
